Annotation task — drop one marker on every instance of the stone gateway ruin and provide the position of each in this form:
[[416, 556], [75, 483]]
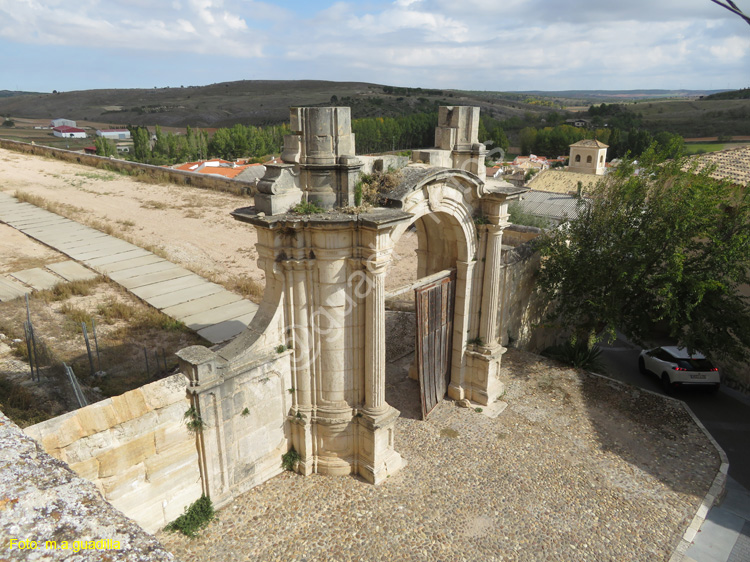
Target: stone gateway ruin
[[309, 372]]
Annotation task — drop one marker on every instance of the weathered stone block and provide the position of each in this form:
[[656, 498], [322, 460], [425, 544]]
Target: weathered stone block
[[170, 436], [173, 414], [135, 427], [172, 462], [97, 417], [124, 482], [90, 446], [165, 392], [129, 405], [130, 454], [88, 469]]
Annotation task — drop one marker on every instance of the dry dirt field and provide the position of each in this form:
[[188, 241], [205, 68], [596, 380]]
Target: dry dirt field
[[191, 226], [124, 325]]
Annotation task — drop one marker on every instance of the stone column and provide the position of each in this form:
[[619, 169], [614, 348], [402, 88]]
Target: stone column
[[375, 339], [491, 285]]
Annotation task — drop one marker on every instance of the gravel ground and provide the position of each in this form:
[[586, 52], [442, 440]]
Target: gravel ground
[[576, 468]]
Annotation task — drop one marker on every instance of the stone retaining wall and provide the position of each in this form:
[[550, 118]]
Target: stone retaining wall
[[135, 169], [42, 500], [521, 316], [135, 448]]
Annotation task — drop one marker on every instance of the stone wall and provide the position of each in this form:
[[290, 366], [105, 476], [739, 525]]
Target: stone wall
[[42, 500], [135, 448], [246, 430], [521, 317], [157, 173]]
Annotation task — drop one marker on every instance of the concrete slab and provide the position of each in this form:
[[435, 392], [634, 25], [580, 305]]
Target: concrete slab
[[40, 217], [226, 330], [203, 304], [96, 263], [71, 271], [737, 499], [59, 228], [24, 210], [10, 290], [175, 272], [92, 252], [141, 270], [85, 240], [37, 278], [90, 246], [131, 263], [38, 221], [220, 314], [107, 250], [185, 295], [718, 535], [165, 287], [66, 236]]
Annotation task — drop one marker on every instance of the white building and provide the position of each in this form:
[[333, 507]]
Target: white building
[[62, 123], [69, 132], [117, 134]]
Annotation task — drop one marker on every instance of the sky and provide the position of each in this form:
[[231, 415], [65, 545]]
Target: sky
[[500, 45]]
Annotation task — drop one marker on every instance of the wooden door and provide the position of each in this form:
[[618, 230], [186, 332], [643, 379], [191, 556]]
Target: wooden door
[[435, 303]]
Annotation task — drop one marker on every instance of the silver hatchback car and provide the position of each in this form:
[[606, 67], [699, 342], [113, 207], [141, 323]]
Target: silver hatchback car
[[675, 367]]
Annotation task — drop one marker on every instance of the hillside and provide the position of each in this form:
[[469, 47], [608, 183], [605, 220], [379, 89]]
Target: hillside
[[256, 102]]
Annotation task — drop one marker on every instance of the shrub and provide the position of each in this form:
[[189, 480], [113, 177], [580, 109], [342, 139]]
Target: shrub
[[290, 459], [576, 353], [307, 208], [196, 516]]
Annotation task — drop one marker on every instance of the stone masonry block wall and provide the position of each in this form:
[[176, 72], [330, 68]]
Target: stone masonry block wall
[[246, 417], [521, 315], [135, 448], [135, 169], [43, 500]]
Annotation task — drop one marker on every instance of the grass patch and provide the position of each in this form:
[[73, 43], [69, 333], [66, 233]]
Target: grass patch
[[113, 310], [17, 403], [95, 176], [155, 205], [247, 287], [196, 516], [75, 315], [63, 291]]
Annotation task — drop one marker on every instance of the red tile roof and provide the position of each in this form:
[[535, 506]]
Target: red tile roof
[[66, 129]]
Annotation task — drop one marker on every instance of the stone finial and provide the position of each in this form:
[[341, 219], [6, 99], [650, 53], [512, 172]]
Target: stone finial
[[458, 127]]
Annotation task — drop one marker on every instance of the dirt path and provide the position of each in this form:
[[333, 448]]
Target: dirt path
[[192, 226]]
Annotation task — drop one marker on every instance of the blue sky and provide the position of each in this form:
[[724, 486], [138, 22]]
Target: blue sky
[[505, 45]]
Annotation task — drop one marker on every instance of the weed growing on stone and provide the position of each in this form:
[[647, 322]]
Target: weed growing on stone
[[196, 516], [194, 422], [290, 459], [307, 208]]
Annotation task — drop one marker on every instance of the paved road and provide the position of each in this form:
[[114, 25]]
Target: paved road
[[725, 535]]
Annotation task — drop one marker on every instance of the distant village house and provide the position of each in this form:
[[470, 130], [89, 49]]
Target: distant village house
[[117, 134], [62, 123], [67, 132]]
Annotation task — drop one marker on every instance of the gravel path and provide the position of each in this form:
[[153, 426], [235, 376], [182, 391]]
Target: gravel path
[[577, 468]]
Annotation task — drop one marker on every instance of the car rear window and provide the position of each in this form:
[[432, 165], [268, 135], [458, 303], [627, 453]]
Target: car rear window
[[696, 364]]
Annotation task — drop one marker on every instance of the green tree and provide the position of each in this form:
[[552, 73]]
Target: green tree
[[104, 147], [665, 246]]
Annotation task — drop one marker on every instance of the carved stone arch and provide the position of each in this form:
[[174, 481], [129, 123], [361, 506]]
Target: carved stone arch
[[445, 193]]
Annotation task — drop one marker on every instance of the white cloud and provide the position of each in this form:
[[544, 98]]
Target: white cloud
[[478, 44]]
